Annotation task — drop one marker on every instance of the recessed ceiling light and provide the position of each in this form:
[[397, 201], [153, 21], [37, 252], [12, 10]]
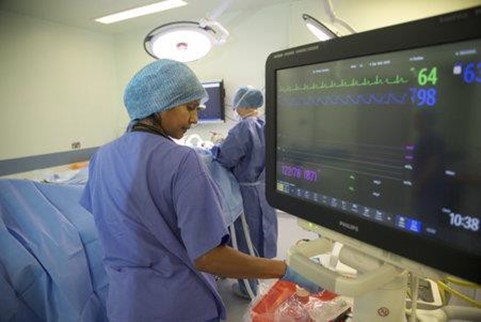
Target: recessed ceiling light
[[141, 11]]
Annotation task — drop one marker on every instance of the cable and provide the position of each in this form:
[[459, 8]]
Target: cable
[[414, 297], [461, 282], [247, 235], [252, 252], [457, 293], [234, 244]]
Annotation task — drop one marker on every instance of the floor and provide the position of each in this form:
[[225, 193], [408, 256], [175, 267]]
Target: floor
[[289, 233]]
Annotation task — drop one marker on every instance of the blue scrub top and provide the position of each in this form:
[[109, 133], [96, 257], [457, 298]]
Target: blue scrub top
[[243, 152], [156, 210]]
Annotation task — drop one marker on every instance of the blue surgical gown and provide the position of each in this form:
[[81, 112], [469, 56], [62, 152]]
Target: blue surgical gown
[[243, 152], [156, 210]]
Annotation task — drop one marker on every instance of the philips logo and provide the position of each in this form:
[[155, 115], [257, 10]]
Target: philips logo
[[349, 226]]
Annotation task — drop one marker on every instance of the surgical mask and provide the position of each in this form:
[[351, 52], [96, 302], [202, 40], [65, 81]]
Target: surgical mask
[[237, 117]]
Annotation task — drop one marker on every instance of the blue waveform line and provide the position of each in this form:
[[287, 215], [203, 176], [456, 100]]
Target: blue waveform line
[[345, 100]]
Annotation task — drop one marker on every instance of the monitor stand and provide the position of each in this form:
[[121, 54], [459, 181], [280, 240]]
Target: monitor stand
[[385, 303], [378, 289], [377, 285]]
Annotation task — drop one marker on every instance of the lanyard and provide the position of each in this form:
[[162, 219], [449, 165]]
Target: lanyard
[[141, 127]]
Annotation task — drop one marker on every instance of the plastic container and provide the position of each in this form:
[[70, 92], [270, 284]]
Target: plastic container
[[286, 302], [295, 308], [264, 309]]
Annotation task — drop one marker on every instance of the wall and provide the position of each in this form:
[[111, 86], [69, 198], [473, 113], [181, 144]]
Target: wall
[[62, 84], [58, 86]]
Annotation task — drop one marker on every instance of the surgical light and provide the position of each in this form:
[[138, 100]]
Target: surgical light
[[184, 41], [317, 28], [320, 30], [141, 11]]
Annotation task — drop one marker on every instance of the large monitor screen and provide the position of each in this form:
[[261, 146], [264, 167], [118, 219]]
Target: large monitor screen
[[378, 136], [215, 110]]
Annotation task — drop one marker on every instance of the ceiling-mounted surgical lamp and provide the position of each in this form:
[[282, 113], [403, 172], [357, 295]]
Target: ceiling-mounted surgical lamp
[[317, 28], [185, 41], [320, 30]]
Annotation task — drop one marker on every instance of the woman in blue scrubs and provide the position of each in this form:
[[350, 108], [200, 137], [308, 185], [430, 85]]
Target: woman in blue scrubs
[[243, 153], [158, 213]]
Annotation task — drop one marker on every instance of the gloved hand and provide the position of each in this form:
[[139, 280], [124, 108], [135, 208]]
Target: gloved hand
[[292, 276]]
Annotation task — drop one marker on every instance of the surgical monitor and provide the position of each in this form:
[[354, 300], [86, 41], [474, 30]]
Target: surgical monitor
[[215, 110], [376, 136]]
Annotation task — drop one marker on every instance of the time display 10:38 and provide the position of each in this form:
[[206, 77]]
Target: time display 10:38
[[466, 222]]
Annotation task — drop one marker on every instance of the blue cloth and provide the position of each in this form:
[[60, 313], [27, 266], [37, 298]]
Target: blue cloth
[[162, 85], [292, 276], [229, 188], [157, 210], [243, 153], [50, 263], [69, 177]]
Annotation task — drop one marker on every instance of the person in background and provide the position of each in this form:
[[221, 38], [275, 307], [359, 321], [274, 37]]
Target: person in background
[[243, 152], [158, 213]]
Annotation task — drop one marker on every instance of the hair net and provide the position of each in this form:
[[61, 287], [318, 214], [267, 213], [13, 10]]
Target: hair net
[[162, 85], [248, 97]]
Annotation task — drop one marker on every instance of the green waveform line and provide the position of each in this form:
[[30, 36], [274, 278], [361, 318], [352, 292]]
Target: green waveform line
[[343, 83]]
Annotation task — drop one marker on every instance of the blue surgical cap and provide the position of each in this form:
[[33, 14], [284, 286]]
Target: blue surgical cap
[[248, 97], [162, 85]]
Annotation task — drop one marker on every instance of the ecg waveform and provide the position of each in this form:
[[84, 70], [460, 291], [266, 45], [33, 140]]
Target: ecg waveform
[[346, 83], [345, 100]]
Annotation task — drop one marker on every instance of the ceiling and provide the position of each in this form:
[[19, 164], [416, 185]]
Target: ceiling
[[81, 13]]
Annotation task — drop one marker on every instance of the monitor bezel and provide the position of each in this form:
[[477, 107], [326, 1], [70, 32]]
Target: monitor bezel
[[446, 28]]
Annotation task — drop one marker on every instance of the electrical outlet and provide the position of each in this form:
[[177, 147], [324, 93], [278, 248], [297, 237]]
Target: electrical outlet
[[75, 145]]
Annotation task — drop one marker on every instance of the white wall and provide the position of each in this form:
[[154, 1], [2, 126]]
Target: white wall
[[57, 86], [61, 84]]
